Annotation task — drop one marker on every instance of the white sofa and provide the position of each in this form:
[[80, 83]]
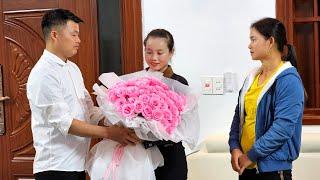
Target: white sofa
[[212, 162]]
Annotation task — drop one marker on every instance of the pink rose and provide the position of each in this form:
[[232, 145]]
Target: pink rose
[[151, 82], [157, 115], [167, 115], [112, 96], [162, 95], [147, 112], [155, 95], [159, 88], [154, 102], [138, 106], [142, 91], [120, 92], [169, 101], [119, 103], [163, 104], [144, 98], [128, 110], [151, 89], [172, 125], [131, 91], [174, 110], [132, 100]]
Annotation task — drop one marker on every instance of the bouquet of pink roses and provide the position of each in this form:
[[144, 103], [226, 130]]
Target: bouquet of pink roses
[[157, 108], [149, 98]]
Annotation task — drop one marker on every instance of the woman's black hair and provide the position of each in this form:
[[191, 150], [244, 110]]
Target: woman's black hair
[[161, 33], [270, 27]]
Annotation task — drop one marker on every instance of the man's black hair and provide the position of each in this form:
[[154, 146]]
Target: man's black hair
[[57, 17]]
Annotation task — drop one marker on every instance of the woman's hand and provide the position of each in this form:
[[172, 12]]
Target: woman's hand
[[235, 154], [244, 162]]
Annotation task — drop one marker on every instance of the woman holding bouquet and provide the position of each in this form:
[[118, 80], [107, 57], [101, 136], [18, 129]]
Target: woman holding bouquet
[[162, 110], [265, 133], [159, 49]]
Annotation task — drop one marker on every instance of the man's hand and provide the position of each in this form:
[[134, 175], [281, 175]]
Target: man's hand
[[235, 154], [122, 135], [244, 162]]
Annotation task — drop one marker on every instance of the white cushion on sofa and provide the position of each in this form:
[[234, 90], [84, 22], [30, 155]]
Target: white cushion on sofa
[[219, 143], [310, 142], [216, 143], [212, 162]]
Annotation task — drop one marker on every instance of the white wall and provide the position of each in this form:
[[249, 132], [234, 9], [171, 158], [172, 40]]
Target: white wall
[[211, 38]]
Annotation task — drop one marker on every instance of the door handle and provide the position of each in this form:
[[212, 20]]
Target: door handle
[[4, 98], [2, 127]]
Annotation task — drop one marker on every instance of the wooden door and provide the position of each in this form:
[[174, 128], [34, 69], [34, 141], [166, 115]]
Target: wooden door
[[21, 45]]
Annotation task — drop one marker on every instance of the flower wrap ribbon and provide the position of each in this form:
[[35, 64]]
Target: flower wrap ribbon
[[116, 158]]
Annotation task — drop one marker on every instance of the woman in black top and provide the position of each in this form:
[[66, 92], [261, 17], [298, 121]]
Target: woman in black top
[[159, 48]]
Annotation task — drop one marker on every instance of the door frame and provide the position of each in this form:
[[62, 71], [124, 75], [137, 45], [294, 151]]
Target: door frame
[[131, 36]]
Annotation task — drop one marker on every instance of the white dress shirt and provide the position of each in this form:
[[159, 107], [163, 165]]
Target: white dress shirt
[[57, 95]]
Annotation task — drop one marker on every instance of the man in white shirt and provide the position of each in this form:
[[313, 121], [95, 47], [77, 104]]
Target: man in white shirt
[[63, 116]]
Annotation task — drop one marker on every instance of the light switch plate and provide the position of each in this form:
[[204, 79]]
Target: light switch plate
[[217, 84], [206, 85]]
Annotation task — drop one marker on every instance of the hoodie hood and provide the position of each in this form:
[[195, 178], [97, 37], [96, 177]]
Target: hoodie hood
[[285, 70]]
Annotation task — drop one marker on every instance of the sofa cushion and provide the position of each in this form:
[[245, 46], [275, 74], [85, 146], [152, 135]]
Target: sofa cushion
[[310, 142], [217, 143], [210, 166]]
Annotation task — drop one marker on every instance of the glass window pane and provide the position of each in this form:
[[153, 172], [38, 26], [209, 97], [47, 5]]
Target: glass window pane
[[303, 41], [303, 8]]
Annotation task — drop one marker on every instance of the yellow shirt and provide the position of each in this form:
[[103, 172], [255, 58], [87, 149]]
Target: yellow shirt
[[250, 104], [250, 107]]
